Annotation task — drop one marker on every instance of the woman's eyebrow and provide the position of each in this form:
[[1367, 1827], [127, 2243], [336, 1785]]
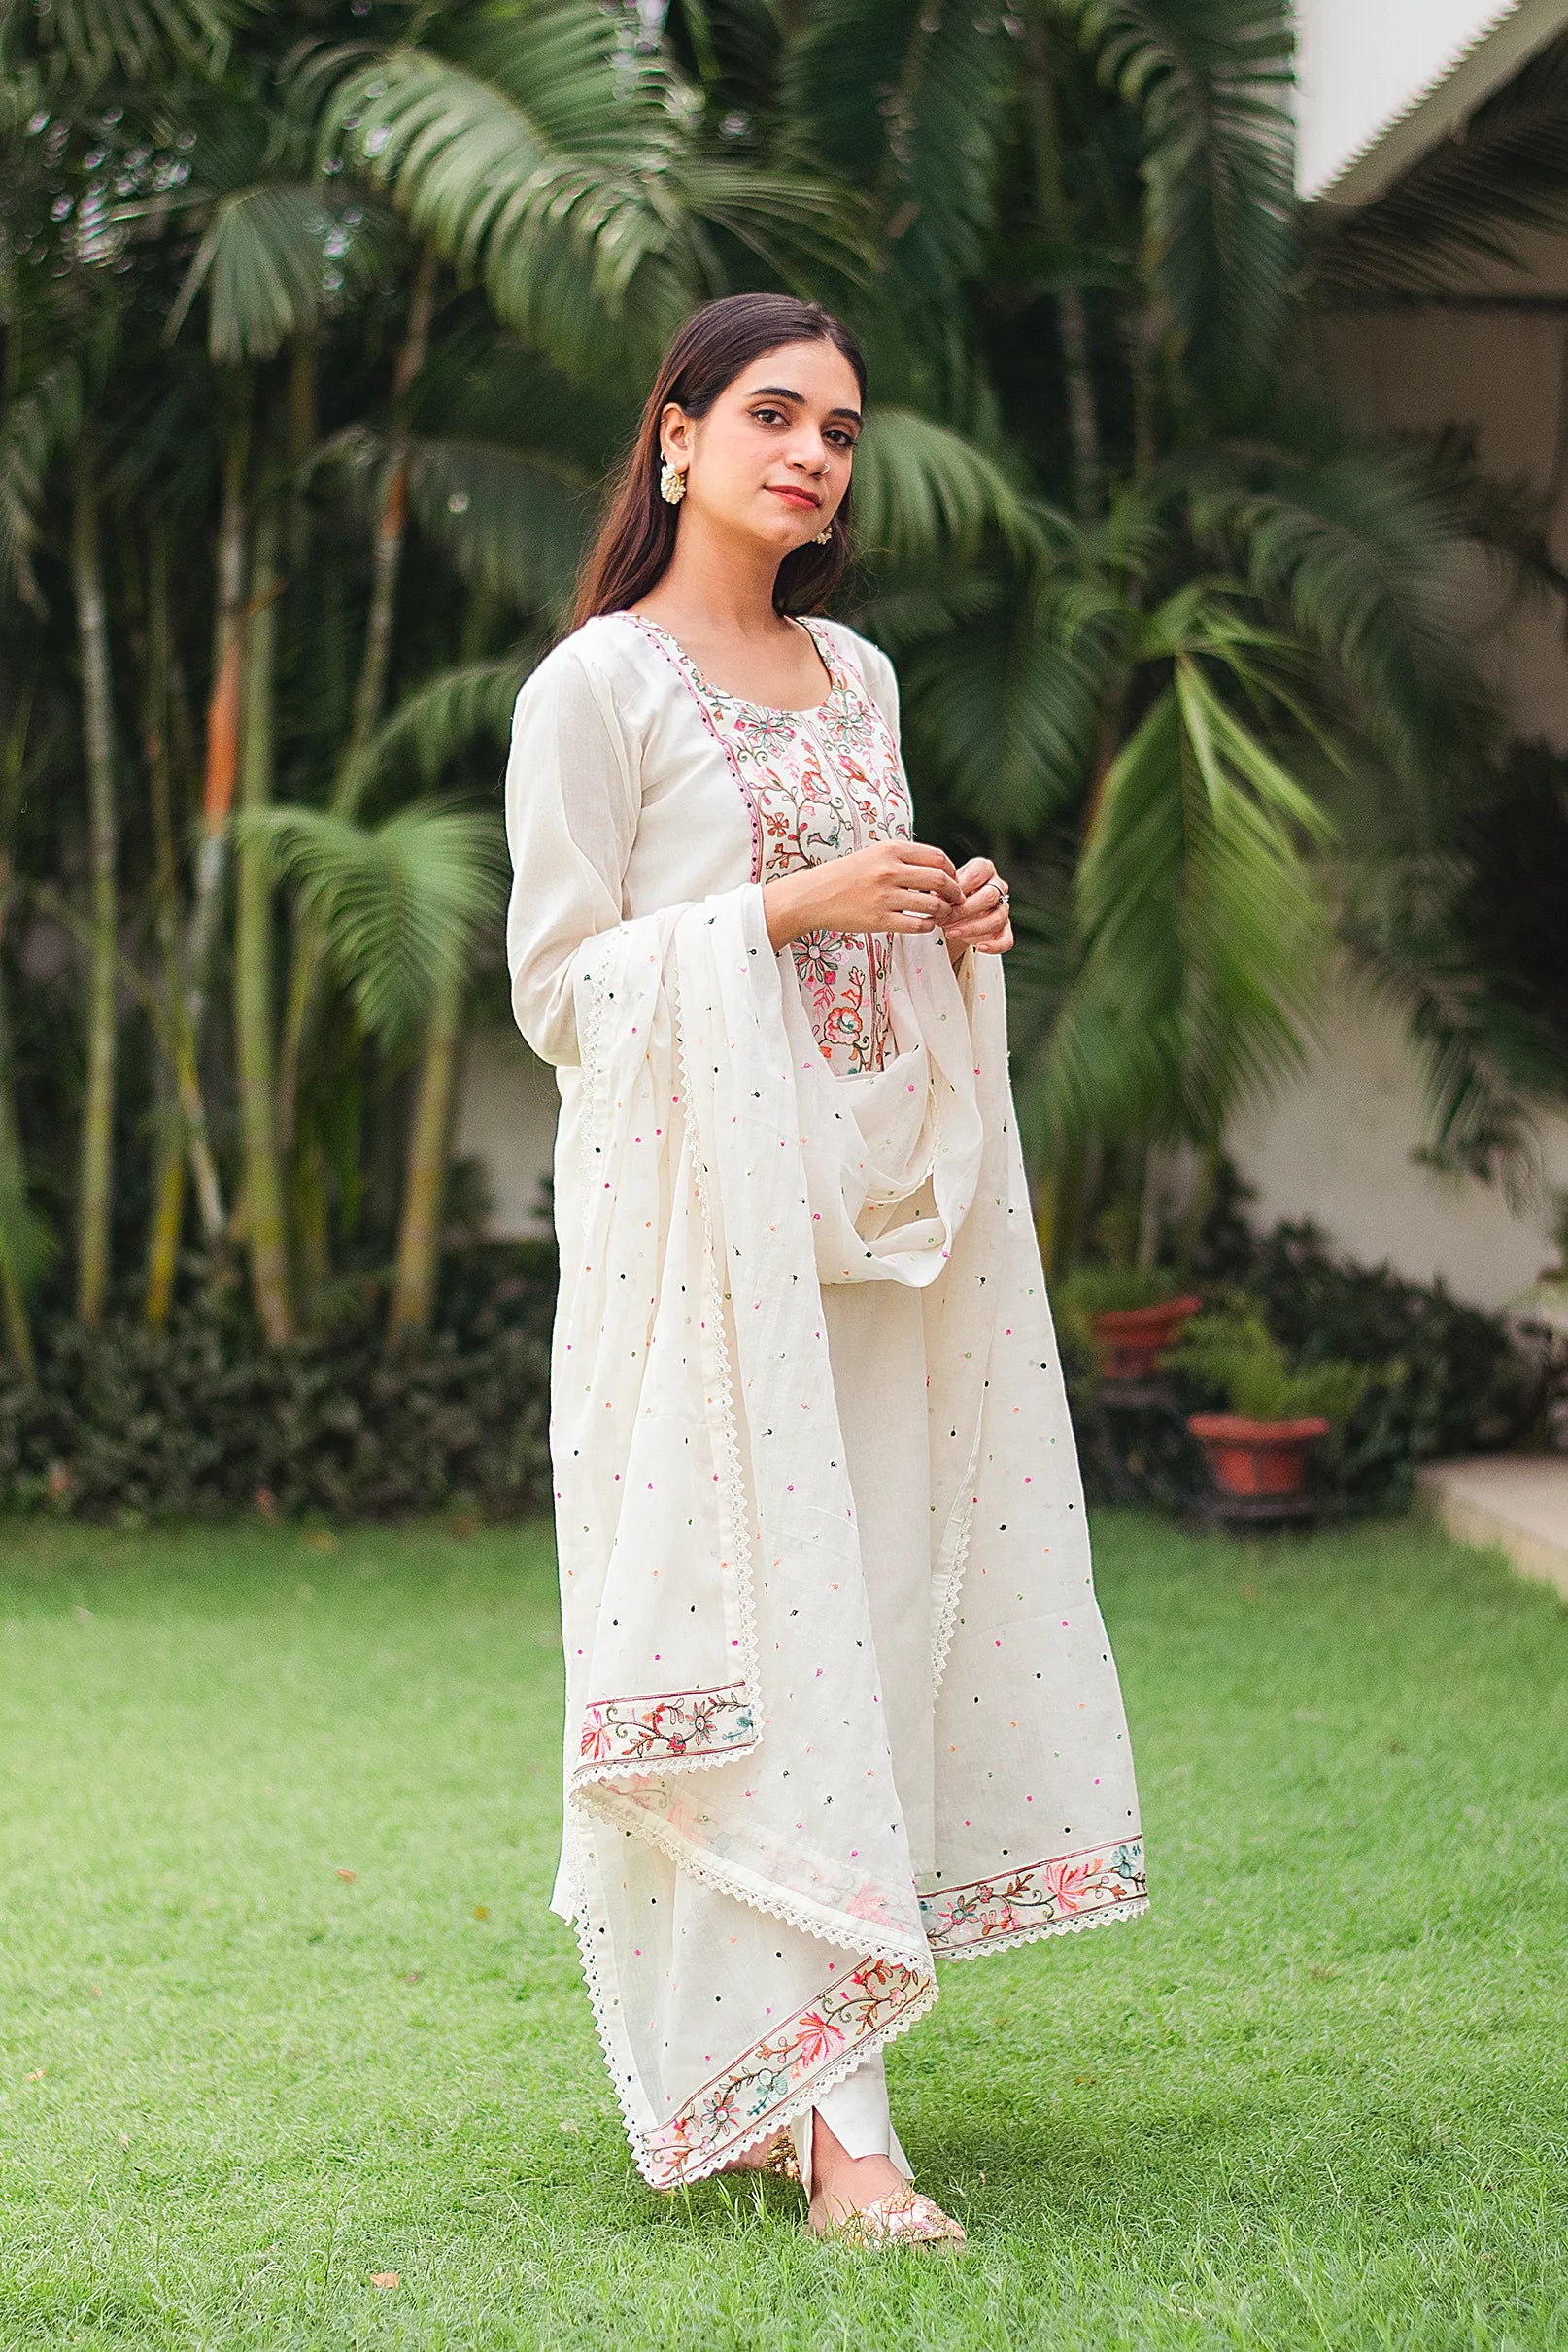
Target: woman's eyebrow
[[782, 392]]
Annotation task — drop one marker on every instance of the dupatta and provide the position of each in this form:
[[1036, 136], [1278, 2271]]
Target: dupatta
[[748, 1917]]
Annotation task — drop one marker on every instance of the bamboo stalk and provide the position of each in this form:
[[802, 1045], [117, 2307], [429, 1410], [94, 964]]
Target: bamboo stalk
[[96, 1176], [13, 1160], [419, 1236], [218, 789], [168, 1183], [264, 1221]]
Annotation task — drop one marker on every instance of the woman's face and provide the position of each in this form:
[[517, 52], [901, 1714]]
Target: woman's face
[[772, 456]]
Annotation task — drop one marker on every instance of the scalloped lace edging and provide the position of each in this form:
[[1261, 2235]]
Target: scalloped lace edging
[[732, 1483], [953, 1591], [707, 1874], [592, 1775], [1108, 1916]]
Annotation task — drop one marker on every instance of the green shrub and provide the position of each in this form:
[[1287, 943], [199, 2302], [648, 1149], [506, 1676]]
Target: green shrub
[[204, 1418], [1468, 1387], [1230, 1345], [1463, 1386]]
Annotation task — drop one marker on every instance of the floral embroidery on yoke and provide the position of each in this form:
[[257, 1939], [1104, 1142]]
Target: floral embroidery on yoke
[[818, 784]]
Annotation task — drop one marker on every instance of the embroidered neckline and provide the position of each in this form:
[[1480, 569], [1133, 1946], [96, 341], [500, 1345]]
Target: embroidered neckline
[[721, 694]]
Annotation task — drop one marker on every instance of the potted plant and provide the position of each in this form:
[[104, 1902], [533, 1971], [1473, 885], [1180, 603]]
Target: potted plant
[[1257, 1447], [1128, 1314]]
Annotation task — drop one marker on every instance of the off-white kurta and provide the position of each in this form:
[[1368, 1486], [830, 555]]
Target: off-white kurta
[[644, 810]]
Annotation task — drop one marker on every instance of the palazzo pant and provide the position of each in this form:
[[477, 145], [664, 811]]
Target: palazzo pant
[[876, 1349]]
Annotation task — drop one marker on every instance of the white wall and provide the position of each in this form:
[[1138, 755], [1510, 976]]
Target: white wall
[[506, 1118], [1336, 1147]]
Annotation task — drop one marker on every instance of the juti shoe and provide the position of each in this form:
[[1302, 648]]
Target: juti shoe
[[777, 2157], [900, 2217]]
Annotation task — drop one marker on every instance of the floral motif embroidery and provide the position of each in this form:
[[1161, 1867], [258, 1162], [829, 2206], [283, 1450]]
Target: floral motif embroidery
[[677, 1723], [1018, 1902], [848, 2011], [817, 784]]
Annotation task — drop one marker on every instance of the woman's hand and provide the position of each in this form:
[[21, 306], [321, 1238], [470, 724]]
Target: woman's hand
[[893, 885], [983, 921]]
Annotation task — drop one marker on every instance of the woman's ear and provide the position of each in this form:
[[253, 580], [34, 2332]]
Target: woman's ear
[[675, 435]]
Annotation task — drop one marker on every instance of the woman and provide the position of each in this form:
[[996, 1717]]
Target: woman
[[840, 1702]]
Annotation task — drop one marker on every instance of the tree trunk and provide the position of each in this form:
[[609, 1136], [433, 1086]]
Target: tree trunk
[[1073, 316], [12, 1163], [217, 784], [419, 1238], [264, 1224], [96, 1179], [168, 1182], [13, 1180], [369, 694]]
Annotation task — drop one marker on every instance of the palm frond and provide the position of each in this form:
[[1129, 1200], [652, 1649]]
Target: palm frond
[[1204, 928], [922, 488], [273, 261], [907, 95], [446, 714], [137, 39], [532, 153], [1010, 709], [1362, 546], [512, 518], [1211, 81], [402, 904], [1486, 1065], [36, 423]]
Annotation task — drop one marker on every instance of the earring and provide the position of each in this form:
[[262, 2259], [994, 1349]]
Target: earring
[[671, 483], [823, 536]]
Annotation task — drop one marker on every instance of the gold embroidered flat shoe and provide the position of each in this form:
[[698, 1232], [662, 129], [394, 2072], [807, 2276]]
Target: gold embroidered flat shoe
[[776, 2157], [902, 2217]]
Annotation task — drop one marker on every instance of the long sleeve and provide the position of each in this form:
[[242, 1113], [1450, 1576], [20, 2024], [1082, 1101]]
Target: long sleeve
[[573, 801]]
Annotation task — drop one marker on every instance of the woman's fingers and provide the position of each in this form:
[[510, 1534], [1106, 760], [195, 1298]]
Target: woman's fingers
[[937, 871]]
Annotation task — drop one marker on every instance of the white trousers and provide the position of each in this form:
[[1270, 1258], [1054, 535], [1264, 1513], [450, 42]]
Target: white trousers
[[876, 1347], [857, 2114]]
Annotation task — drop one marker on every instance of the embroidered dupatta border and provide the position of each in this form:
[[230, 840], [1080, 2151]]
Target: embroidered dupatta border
[[670, 1723], [868, 2004], [880, 1997], [1066, 1891]]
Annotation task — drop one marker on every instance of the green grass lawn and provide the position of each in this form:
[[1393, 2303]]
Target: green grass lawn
[[284, 2008]]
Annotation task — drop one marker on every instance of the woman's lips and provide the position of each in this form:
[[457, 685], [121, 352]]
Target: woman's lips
[[795, 498]]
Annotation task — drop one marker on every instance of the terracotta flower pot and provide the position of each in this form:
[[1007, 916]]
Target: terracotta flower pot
[[1128, 1339], [1256, 1458]]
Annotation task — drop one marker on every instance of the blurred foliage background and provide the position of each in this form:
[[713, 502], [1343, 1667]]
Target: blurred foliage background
[[321, 323]]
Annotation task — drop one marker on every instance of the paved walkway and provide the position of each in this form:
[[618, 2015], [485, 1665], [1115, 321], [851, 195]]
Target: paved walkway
[[1517, 1500]]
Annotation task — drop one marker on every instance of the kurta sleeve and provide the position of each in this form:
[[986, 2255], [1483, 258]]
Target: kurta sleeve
[[572, 799]]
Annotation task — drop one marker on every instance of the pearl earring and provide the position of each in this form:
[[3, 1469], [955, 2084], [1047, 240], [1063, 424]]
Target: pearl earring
[[672, 483], [823, 536]]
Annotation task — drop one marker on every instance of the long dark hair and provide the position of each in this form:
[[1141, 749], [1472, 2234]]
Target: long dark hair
[[637, 538]]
